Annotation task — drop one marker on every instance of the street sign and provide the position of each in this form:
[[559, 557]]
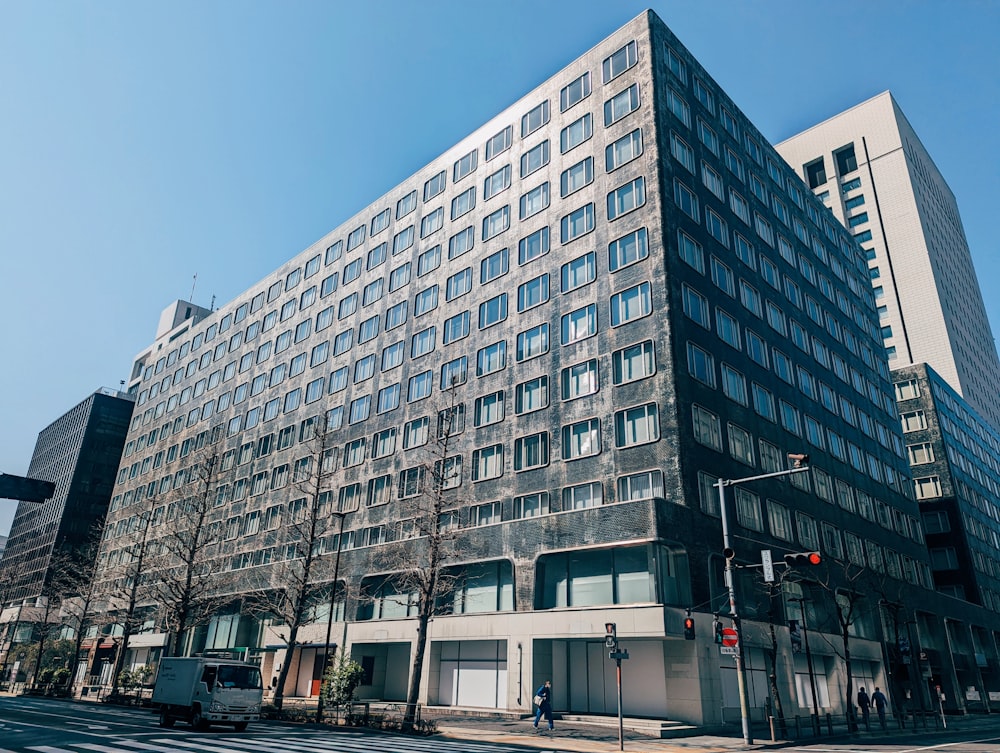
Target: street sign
[[767, 564], [623, 654], [728, 650], [729, 637]]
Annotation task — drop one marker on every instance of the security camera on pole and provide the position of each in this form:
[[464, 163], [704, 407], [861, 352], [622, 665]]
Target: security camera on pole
[[800, 464]]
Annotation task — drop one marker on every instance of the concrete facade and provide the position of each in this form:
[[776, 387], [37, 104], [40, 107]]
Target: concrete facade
[[646, 298], [898, 204]]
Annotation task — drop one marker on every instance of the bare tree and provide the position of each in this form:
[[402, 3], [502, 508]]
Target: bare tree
[[186, 579], [421, 574], [292, 588], [770, 600]]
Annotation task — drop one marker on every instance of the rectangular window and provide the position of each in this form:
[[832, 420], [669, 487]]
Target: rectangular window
[[433, 186], [580, 324], [633, 363], [580, 379], [493, 311], [640, 486], [531, 395], [533, 342], [388, 399], [491, 358], [464, 203], [531, 451], [487, 463], [392, 356], [576, 133], [499, 143], [489, 409], [399, 277], [682, 152], [458, 284], [497, 182], [620, 61], [582, 439], [578, 272], [621, 104], [428, 261], [456, 327], [466, 165], [425, 300], [626, 198], [628, 249], [624, 150], [535, 119], [421, 343], [576, 177], [685, 199], [534, 201], [633, 303], [415, 433], [679, 107], [493, 266], [496, 223], [535, 159], [575, 91], [403, 207], [531, 505], [582, 496], [707, 430], [431, 223], [577, 223], [532, 293], [420, 386]]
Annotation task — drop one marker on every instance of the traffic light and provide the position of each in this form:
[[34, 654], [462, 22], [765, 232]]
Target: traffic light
[[611, 635], [717, 629], [798, 460], [689, 628], [802, 558]]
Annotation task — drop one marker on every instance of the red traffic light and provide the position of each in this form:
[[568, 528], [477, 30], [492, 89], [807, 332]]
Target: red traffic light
[[689, 628], [803, 558]]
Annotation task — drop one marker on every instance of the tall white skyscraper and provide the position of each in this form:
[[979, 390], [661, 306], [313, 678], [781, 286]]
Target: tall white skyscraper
[[870, 168]]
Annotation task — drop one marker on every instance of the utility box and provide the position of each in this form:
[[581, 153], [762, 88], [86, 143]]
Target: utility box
[[204, 691]]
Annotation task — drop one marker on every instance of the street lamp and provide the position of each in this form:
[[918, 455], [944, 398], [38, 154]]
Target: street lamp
[[329, 617], [800, 464]]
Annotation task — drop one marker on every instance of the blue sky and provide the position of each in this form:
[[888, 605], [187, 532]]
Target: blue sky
[[142, 144]]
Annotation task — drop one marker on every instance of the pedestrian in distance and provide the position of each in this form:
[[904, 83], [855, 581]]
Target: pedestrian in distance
[[865, 704], [879, 701], [543, 700]]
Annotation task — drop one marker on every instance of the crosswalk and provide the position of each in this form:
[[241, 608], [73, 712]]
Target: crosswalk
[[296, 742]]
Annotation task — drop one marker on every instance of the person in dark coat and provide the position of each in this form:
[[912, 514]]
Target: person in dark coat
[[865, 704], [544, 694], [879, 701]]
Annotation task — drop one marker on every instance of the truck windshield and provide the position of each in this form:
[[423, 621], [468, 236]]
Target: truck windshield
[[239, 677]]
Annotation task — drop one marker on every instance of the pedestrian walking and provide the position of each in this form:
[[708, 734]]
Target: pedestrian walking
[[865, 704], [543, 700], [879, 700]]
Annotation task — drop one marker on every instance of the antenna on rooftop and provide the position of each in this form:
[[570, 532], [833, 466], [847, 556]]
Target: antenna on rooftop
[[194, 282], [211, 306]]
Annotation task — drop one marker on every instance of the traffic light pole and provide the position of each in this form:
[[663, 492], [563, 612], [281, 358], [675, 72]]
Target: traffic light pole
[[741, 678]]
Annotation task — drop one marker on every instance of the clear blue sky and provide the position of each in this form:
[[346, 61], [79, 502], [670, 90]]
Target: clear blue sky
[[144, 143]]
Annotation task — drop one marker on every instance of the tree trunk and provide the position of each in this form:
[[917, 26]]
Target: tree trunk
[[279, 692], [417, 671], [852, 723], [772, 655]]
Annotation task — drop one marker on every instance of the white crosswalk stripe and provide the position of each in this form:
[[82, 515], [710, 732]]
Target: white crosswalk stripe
[[317, 742]]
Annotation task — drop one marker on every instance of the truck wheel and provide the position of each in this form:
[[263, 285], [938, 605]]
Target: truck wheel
[[198, 721], [240, 726], [165, 719]]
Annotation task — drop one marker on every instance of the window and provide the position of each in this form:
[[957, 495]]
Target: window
[[748, 513], [708, 137], [682, 152], [628, 249], [580, 324], [415, 433], [421, 343], [576, 133], [707, 430], [426, 300], [533, 246], [712, 180], [379, 490], [581, 439], [638, 425], [388, 399], [493, 311], [624, 150], [410, 481], [384, 443], [620, 61], [458, 284], [497, 182], [639, 486], [695, 306], [716, 226], [913, 421], [403, 207], [679, 107], [464, 203], [535, 119], [491, 358], [631, 304], [928, 487], [621, 104], [578, 272], [467, 164], [431, 223], [489, 409], [577, 223], [576, 177], [392, 356], [499, 143], [533, 293], [626, 198], [686, 200], [907, 390], [740, 444], [428, 261], [531, 505], [728, 328], [456, 327], [701, 364], [531, 395], [419, 386], [534, 201], [531, 451], [432, 187], [496, 223], [487, 462], [580, 379], [633, 363], [494, 266], [535, 159], [704, 95], [575, 91], [734, 384], [395, 316]]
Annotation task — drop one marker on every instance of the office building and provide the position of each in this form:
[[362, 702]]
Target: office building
[[79, 452], [615, 292], [870, 168]]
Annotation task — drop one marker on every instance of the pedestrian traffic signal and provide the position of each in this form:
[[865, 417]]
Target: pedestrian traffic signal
[[611, 635], [689, 628], [717, 629], [798, 460], [802, 558]]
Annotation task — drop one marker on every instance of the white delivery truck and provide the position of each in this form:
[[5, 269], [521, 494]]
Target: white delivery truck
[[205, 691]]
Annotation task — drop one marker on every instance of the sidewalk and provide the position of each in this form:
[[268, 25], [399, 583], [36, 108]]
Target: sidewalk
[[585, 738]]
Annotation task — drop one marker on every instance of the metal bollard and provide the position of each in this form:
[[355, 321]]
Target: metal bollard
[[798, 727], [829, 725], [770, 721]]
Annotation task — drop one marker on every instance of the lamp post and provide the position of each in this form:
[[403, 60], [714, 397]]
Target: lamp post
[[329, 617], [801, 465]]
